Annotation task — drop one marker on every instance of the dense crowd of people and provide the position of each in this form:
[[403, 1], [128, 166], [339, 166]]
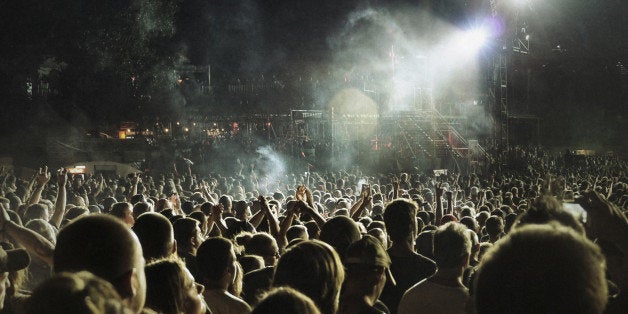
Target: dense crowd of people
[[547, 236]]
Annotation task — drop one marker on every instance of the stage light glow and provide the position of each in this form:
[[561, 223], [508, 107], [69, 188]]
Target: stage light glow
[[475, 38], [353, 102]]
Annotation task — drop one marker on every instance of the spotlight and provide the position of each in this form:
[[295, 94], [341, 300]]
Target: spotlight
[[476, 38]]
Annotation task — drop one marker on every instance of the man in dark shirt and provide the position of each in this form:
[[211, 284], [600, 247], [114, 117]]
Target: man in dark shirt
[[408, 267]]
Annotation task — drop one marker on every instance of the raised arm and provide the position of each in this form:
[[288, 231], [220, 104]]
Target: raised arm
[[133, 190], [306, 205], [273, 223], [43, 176], [215, 219], [395, 184], [311, 210], [259, 215], [60, 203], [207, 193], [362, 203], [439, 203], [291, 213], [606, 221], [449, 195], [29, 239]]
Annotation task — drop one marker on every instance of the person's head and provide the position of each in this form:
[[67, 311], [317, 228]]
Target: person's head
[[482, 217], [14, 202], [313, 268], [75, 212], [225, 201], [546, 209], [286, 299], [10, 261], [43, 228], [156, 236], [380, 235], [106, 247], [138, 198], [124, 212], [80, 293], [399, 217], [170, 288], [467, 212], [494, 226], [297, 231], [251, 262], [340, 232], [542, 269], [313, 230], [425, 243], [235, 226], [470, 223], [107, 203], [187, 233], [216, 263], [367, 264], [242, 210], [140, 208], [162, 204], [187, 207], [202, 220], [452, 246], [36, 211], [264, 245]]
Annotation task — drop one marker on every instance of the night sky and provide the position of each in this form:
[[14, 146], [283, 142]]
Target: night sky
[[91, 49]]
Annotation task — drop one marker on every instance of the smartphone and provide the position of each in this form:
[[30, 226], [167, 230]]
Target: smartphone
[[576, 210]]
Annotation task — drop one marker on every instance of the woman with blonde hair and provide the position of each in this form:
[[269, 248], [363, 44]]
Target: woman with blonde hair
[[170, 288], [313, 268]]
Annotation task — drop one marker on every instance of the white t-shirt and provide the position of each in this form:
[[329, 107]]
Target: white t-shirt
[[429, 297]]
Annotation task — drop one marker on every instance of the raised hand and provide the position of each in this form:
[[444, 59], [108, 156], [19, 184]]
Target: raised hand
[[439, 189], [43, 176], [603, 218], [136, 178], [300, 194], [62, 177]]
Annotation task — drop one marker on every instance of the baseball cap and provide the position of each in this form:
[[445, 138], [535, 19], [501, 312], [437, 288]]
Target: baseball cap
[[369, 251], [13, 259]]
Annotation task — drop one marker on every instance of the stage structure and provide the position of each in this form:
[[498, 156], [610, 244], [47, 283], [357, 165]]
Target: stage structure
[[513, 44], [404, 140]]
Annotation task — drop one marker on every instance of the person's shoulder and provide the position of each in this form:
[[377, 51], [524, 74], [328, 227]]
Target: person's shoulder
[[413, 259], [416, 288], [421, 257], [238, 305], [260, 273]]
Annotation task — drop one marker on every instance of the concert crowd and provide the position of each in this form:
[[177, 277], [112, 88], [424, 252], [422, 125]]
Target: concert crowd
[[528, 232]]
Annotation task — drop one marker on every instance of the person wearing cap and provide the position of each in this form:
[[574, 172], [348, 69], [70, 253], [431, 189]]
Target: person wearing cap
[[367, 265], [10, 260], [443, 292]]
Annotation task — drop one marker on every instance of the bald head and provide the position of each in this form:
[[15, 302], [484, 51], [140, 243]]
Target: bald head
[[106, 247], [155, 234], [100, 244]]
